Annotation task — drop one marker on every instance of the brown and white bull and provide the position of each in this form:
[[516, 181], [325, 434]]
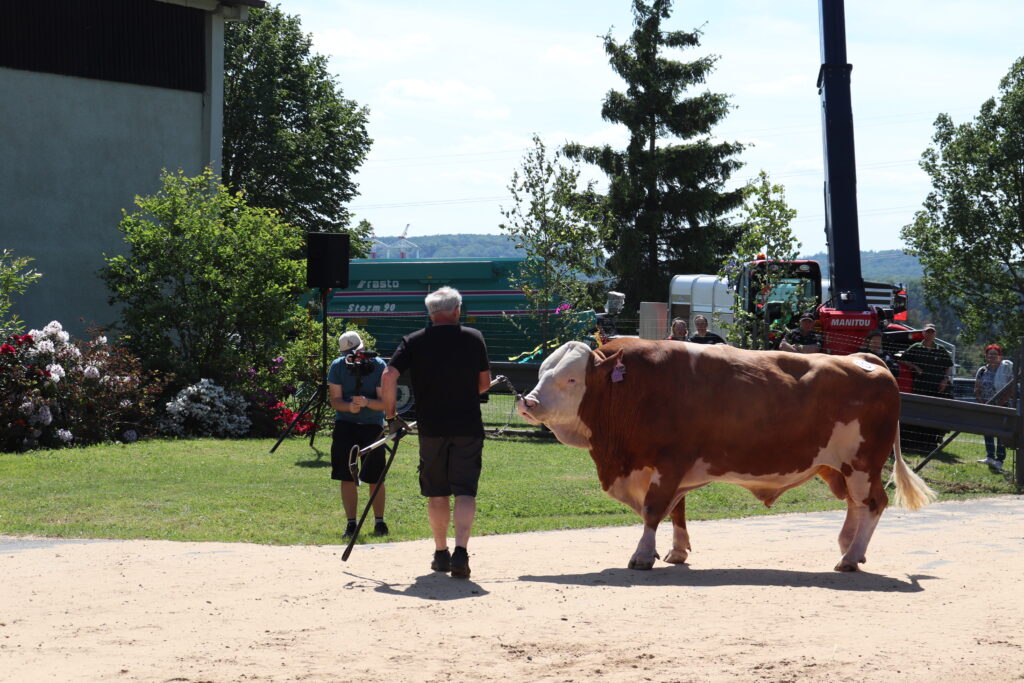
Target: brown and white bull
[[662, 418]]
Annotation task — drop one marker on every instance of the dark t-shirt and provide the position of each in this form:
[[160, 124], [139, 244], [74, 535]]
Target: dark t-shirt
[[798, 338], [709, 338], [446, 362], [933, 363]]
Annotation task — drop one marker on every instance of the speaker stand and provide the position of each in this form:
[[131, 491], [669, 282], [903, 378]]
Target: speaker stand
[[320, 398]]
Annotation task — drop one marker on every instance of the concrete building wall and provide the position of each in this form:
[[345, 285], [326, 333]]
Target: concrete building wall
[[75, 153]]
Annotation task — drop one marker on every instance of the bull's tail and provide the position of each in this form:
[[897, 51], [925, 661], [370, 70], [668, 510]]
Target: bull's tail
[[911, 492]]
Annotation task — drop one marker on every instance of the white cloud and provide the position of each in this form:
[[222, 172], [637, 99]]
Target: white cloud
[[346, 45], [788, 86], [493, 114], [448, 93], [563, 55]]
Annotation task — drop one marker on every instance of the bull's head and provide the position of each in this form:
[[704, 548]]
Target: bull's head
[[561, 383]]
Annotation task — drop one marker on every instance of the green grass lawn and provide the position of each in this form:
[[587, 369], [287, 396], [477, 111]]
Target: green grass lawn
[[213, 490]]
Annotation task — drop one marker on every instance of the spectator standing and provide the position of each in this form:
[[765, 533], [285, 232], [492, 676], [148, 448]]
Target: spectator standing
[[804, 339], [873, 345], [703, 336], [450, 370], [931, 365], [354, 384], [680, 330], [989, 380]]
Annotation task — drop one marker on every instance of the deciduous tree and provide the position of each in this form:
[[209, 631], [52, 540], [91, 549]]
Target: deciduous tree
[[765, 230], [208, 283], [292, 141], [969, 235], [558, 225], [15, 278]]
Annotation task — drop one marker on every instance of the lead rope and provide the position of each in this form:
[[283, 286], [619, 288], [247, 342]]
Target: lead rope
[[515, 397]]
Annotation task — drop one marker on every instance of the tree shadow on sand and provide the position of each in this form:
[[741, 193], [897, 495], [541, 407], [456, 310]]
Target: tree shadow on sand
[[682, 575]]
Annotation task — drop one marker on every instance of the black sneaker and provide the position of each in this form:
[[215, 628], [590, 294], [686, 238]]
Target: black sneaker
[[442, 561], [380, 529], [350, 531], [460, 563]]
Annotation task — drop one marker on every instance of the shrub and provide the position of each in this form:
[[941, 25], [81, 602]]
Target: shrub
[[276, 389], [302, 354], [205, 409], [14, 279], [207, 283], [55, 391]]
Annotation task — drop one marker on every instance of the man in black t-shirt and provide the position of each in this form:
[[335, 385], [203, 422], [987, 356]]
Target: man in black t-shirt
[[449, 372], [803, 339]]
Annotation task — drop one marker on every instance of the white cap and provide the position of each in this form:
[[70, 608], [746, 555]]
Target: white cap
[[349, 341]]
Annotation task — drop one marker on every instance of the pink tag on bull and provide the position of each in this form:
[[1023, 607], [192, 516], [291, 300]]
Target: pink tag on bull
[[618, 371]]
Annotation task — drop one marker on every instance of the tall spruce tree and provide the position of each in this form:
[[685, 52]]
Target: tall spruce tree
[[666, 190]]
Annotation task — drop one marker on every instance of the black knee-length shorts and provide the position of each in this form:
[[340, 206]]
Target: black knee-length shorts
[[348, 434]]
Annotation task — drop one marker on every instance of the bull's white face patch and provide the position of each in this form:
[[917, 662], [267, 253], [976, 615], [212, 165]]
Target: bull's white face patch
[[561, 384]]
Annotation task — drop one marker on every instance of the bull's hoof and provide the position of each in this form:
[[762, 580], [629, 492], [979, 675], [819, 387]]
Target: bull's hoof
[[846, 567], [641, 564], [677, 557]]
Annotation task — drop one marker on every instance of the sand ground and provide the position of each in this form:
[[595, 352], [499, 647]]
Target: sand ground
[[941, 599]]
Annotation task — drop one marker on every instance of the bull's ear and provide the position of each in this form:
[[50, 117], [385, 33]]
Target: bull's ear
[[603, 362]]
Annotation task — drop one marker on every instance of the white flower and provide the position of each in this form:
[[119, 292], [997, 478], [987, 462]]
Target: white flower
[[65, 435], [53, 328], [26, 408], [125, 403], [44, 346], [63, 336], [205, 409], [56, 372], [43, 416], [91, 372], [100, 340], [72, 351]]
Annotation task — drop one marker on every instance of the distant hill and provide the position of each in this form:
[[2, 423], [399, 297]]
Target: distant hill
[[450, 246], [881, 266], [891, 265]]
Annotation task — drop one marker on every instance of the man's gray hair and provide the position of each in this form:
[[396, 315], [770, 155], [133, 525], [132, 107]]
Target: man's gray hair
[[444, 299]]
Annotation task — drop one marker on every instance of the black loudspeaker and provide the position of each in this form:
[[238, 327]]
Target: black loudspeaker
[[327, 255]]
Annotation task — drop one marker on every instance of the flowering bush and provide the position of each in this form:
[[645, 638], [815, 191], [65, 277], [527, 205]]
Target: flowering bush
[[284, 416], [282, 385], [55, 391], [205, 409]]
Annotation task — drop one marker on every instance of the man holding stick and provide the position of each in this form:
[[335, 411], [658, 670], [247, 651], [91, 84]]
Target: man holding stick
[[449, 372]]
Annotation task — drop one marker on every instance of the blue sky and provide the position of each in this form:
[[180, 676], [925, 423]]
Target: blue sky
[[456, 89]]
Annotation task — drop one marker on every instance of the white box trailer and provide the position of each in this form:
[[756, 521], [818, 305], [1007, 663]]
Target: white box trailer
[[707, 295]]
